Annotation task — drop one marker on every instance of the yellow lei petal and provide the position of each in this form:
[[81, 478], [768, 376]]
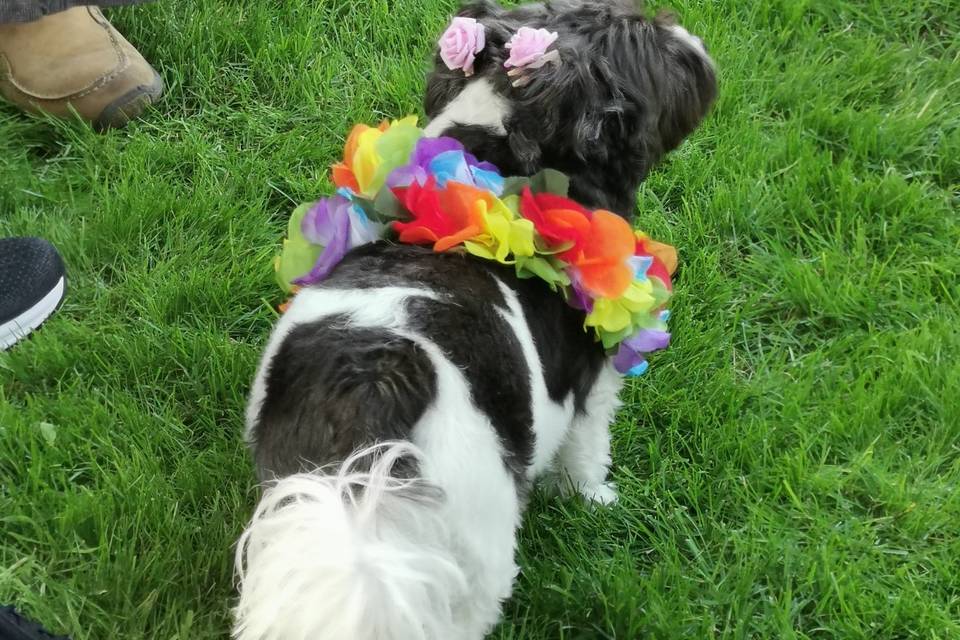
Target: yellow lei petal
[[608, 315], [366, 160], [521, 238], [478, 249], [613, 316], [638, 297], [409, 121], [498, 226], [508, 236], [484, 244]]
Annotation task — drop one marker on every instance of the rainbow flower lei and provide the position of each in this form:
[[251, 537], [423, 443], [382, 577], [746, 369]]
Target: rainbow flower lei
[[396, 183]]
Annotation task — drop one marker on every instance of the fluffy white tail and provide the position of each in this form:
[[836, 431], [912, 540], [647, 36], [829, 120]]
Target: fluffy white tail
[[358, 555]]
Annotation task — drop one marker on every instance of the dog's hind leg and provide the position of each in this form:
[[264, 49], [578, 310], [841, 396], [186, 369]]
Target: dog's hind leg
[[583, 461], [465, 457]]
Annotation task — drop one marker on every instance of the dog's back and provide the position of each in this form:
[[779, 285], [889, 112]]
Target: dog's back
[[457, 383], [352, 367]]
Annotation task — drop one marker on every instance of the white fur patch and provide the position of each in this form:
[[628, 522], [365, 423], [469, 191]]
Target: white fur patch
[[584, 458], [376, 307], [691, 41], [478, 104], [550, 420], [353, 554], [463, 456]]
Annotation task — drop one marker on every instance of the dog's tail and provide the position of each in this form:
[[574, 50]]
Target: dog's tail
[[355, 554]]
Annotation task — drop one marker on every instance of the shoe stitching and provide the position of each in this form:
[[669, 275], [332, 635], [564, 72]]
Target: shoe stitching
[[123, 62]]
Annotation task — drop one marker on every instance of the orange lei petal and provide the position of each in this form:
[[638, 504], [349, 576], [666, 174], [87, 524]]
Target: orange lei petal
[[663, 252], [353, 140], [610, 235], [602, 260], [606, 279], [343, 176], [448, 242], [416, 234], [462, 202]]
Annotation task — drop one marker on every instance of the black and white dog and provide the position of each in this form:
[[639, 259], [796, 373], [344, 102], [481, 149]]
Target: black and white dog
[[404, 407]]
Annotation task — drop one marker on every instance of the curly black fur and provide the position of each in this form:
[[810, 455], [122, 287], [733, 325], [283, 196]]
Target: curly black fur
[[627, 92]]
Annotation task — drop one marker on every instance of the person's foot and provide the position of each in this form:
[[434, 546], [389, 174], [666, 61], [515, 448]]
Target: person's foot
[[32, 284], [75, 59], [13, 626]]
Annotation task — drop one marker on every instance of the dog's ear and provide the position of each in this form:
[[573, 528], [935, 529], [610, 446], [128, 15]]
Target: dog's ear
[[525, 150], [625, 92], [691, 83], [572, 98]]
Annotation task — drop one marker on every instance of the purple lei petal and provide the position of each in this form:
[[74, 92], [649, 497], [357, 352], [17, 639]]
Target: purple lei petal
[[647, 340], [406, 176], [627, 359], [483, 166], [332, 223], [318, 225], [416, 170], [580, 299], [630, 358], [429, 148], [445, 159], [478, 164]]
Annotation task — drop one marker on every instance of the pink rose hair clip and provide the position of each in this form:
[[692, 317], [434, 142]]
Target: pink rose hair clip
[[528, 50], [460, 44], [465, 38]]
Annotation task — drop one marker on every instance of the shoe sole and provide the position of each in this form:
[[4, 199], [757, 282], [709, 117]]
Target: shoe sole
[[20, 327], [130, 105]]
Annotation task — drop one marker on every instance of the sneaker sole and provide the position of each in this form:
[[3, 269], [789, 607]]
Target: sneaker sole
[[20, 327], [130, 105]]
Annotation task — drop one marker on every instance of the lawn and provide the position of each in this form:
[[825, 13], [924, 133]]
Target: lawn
[[789, 468]]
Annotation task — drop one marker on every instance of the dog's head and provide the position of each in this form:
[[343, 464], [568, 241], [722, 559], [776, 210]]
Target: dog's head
[[625, 91]]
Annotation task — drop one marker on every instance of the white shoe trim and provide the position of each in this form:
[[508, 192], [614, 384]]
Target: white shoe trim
[[15, 330]]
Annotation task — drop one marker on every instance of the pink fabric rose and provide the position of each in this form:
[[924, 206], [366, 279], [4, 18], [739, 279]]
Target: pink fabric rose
[[528, 48], [460, 44]]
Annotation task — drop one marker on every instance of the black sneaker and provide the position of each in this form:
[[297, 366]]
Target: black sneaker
[[32, 283], [13, 626]]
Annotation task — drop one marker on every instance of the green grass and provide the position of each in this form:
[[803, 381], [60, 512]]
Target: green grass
[[788, 469]]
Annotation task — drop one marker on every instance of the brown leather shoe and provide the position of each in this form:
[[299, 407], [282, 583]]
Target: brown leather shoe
[[75, 59]]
